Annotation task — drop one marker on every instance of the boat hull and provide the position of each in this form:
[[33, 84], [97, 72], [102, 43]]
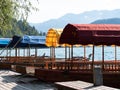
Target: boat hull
[[109, 79]]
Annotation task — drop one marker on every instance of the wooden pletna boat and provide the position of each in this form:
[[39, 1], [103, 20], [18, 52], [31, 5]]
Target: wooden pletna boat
[[75, 69], [17, 54]]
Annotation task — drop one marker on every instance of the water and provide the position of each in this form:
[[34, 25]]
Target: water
[[109, 52]]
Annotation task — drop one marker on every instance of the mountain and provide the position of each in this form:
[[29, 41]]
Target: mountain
[[107, 21], [82, 18]]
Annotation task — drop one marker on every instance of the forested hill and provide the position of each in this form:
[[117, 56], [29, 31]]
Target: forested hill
[[19, 28], [107, 21]]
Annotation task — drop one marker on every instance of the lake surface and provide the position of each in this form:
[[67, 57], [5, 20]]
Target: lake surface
[[109, 52]]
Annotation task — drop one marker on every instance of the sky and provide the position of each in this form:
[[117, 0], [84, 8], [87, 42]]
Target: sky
[[53, 9]]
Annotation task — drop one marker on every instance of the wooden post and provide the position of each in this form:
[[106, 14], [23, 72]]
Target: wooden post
[[65, 56], [18, 51], [7, 55], [10, 51], [65, 52], [35, 52], [53, 54], [84, 51], [71, 57], [50, 53], [103, 57], [24, 52], [69, 53], [29, 54], [72, 52], [115, 52], [29, 51], [16, 54], [93, 51], [115, 56]]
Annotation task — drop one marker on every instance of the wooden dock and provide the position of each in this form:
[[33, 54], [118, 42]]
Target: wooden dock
[[10, 80], [11, 86], [8, 85], [80, 85]]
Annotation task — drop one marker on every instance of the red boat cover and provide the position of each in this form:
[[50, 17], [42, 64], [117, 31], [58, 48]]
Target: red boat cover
[[97, 34]]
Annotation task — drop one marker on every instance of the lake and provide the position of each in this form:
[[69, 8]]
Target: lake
[[109, 52]]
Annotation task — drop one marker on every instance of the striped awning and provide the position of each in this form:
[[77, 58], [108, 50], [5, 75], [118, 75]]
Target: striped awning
[[52, 37]]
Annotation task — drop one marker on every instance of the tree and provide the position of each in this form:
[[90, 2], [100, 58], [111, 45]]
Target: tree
[[9, 9]]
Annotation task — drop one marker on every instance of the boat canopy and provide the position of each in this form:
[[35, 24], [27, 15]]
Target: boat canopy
[[4, 42], [27, 41], [33, 39], [16, 42], [97, 34], [52, 37]]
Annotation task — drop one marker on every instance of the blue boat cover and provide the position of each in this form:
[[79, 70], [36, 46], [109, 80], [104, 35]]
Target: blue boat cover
[[4, 42], [23, 42], [33, 39]]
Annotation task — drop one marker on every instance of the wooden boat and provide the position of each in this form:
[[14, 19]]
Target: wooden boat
[[85, 34], [25, 43]]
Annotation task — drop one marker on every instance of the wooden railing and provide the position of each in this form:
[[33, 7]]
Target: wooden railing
[[21, 59], [73, 65], [108, 66]]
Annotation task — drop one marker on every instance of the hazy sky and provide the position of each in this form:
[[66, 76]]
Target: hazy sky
[[52, 9]]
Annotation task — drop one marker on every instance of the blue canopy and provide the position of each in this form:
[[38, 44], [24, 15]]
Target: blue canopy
[[27, 41], [4, 42], [33, 39], [16, 42]]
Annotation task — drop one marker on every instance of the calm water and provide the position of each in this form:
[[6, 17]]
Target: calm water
[[109, 52]]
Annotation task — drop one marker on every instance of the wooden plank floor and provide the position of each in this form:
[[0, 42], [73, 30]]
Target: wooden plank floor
[[80, 85], [7, 85], [10, 80]]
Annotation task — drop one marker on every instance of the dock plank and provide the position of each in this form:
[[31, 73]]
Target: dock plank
[[11, 80], [80, 85], [8, 85]]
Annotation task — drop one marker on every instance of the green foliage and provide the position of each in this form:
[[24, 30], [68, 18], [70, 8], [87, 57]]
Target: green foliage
[[9, 9], [20, 28], [6, 13], [27, 29]]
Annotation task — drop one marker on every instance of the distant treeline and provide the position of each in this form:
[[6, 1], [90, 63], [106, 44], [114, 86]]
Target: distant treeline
[[20, 28], [107, 21]]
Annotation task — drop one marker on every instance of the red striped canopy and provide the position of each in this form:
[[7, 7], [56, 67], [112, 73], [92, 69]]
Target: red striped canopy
[[97, 34]]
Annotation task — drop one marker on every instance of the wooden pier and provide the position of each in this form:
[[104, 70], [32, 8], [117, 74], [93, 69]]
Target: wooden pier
[[10, 80], [80, 85], [7, 85]]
